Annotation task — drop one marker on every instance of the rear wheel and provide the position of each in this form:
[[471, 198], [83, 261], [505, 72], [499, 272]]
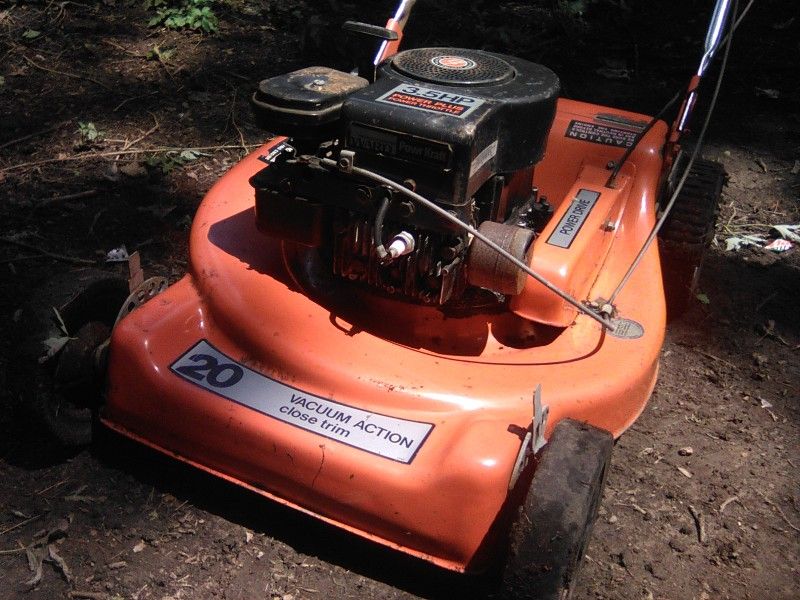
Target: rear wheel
[[553, 526], [687, 234], [60, 337]]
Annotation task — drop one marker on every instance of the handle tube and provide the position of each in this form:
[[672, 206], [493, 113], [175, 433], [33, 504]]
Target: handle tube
[[397, 23]]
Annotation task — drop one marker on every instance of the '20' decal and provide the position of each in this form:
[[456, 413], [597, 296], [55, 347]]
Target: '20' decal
[[217, 374]]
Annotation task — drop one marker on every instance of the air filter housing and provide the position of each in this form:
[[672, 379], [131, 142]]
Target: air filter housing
[[457, 116]]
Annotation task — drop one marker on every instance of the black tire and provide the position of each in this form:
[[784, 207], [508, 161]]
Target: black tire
[[61, 392], [687, 234], [553, 526]]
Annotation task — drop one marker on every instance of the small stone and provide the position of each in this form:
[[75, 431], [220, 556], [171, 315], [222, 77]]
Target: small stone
[[686, 451], [613, 519], [677, 545]]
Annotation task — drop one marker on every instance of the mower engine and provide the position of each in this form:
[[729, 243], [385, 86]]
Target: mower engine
[[463, 128]]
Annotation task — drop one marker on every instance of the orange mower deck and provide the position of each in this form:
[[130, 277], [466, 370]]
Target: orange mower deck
[[388, 419]]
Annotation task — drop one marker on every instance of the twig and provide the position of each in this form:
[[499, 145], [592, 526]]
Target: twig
[[124, 102], [778, 508], [32, 135], [123, 48], [233, 121], [86, 155], [68, 74], [50, 487], [699, 522], [724, 505], [765, 301], [87, 595], [717, 358], [61, 257], [153, 129], [635, 507], [67, 197], [21, 524]]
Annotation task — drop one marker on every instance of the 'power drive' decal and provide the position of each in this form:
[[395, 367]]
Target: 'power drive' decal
[[390, 437], [600, 134], [430, 100], [572, 221]]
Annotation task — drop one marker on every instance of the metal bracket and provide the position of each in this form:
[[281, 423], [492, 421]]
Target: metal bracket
[[534, 439], [135, 271], [540, 414], [149, 288]]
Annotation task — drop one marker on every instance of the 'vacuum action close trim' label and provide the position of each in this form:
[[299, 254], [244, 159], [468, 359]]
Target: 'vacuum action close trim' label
[[389, 437]]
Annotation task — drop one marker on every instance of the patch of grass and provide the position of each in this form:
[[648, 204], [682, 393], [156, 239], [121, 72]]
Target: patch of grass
[[161, 55], [88, 132], [168, 161], [197, 15]]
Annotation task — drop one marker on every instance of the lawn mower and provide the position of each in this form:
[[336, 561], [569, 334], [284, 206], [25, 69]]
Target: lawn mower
[[423, 313]]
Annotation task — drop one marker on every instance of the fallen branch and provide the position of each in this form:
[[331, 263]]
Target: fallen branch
[[699, 523], [20, 524], [725, 504], [61, 257], [68, 197], [87, 595], [68, 74], [717, 358], [32, 135], [87, 155], [780, 512], [124, 102], [634, 506], [153, 129]]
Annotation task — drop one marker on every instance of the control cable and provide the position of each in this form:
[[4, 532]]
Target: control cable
[[701, 136], [327, 162]]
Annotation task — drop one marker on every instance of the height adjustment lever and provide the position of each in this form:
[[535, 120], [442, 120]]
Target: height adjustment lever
[[373, 31], [368, 35]]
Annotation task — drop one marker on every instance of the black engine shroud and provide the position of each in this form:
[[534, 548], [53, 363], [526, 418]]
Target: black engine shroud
[[460, 127]]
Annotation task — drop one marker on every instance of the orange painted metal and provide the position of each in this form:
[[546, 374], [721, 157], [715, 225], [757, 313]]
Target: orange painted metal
[[391, 48], [263, 304]]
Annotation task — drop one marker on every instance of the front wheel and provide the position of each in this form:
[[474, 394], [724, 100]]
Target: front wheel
[[553, 525], [55, 372]]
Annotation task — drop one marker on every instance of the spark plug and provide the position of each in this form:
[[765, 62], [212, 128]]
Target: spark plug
[[401, 244]]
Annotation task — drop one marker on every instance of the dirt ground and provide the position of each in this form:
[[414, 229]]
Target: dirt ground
[[110, 133]]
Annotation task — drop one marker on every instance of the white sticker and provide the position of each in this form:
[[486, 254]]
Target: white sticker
[[390, 437], [430, 100], [485, 156], [573, 219]]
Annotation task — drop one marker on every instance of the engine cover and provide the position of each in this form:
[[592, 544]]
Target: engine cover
[[457, 116]]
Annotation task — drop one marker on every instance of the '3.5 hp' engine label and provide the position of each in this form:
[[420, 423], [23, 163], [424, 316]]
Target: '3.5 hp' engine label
[[430, 100], [390, 437]]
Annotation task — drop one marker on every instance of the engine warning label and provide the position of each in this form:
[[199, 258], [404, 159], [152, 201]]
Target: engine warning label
[[389, 437], [600, 134], [430, 100]]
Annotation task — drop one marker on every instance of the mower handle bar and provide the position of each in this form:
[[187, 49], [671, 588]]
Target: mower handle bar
[[397, 23], [716, 28], [714, 34]]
